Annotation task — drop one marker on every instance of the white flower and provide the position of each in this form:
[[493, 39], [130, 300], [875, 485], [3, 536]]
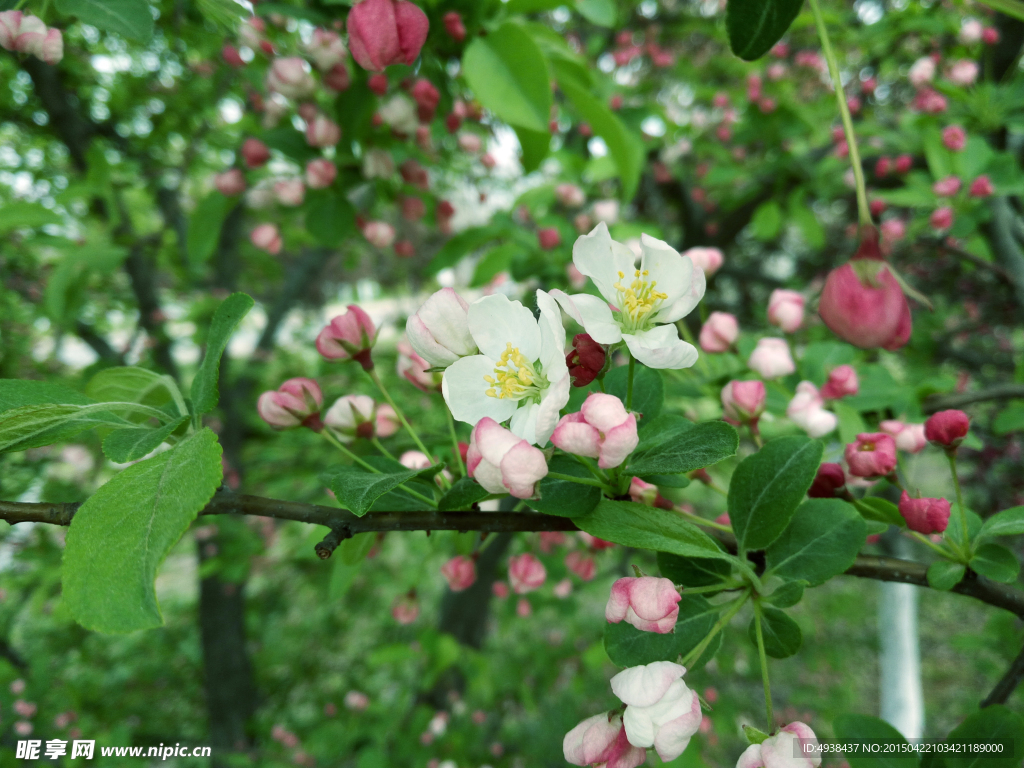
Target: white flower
[[664, 289], [661, 711], [521, 372]]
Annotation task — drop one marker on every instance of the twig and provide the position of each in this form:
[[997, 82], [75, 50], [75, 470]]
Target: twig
[[999, 392], [1007, 683]]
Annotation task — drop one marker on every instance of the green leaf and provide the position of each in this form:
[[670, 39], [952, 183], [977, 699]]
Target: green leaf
[[294, 11], [123, 532], [509, 76], [1010, 419], [787, 594], [464, 243], [693, 571], [124, 445], [128, 384], [767, 221], [634, 525], [754, 26], [128, 18], [864, 730], [996, 562], [628, 646], [330, 217], [227, 317], [850, 422], [782, 635], [767, 487], [462, 495], [821, 541], [600, 12], [953, 530], [16, 214], [687, 448], [754, 735], [495, 261], [224, 13], [667, 481], [534, 146], [564, 497], [1009, 522], [882, 510], [34, 425], [993, 724], [358, 489], [15, 393], [943, 575], [204, 227], [648, 390]]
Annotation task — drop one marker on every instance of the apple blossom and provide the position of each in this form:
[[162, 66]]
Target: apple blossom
[[893, 230], [924, 515], [807, 411], [267, 238], [427, 98], [290, 192], [601, 741], [922, 71], [295, 403], [640, 307], [502, 462], [606, 211], [963, 72], [719, 332], [650, 604], [254, 153], [828, 481], [954, 138], [230, 182], [743, 401], [439, 331], [22, 33], [708, 260], [357, 701], [771, 358], [350, 336], [904, 163], [786, 309], [942, 218], [337, 78], [413, 208], [379, 233], [842, 381], [990, 35], [947, 428], [570, 195], [564, 588], [326, 49], [359, 416], [872, 455], [525, 572], [581, 564], [500, 590], [470, 142], [661, 711], [378, 164], [790, 747], [981, 187], [405, 609], [384, 32], [322, 132], [947, 187], [288, 76], [521, 372], [970, 31], [320, 173], [459, 572], [585, 360], [415, 174], [548, 238], [453, 26], [413, 368], [51, 48], [399, 113], [908, 437], [601, 430]]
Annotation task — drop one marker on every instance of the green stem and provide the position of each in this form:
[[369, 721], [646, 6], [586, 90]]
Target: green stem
[[381, 448], [629, 383], [698, 520], [455, 442], [942, 551], [719, 625], [725, 585], [600, 383], [764, 666], [960, 503], [744, 568], [684, 330], [370, 468], [863, 212], [404, 422], [582, 481], [594, 470]]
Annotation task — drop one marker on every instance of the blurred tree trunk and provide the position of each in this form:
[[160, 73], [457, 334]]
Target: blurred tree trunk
[[464, 614], [900, 694]]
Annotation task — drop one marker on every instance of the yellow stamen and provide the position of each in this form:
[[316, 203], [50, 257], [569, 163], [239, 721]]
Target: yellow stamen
[[513, 375], [639, 301]]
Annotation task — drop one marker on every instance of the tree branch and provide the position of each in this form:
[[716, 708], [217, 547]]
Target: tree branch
[[935, 403], [1007, 683]]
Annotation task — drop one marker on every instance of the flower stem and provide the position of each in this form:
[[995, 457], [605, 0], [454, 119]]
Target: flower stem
[[863, 212], [629, 382], [455, 441], [736, 604], [725, 585], [684, 329], [595, 471], [764, 667], [582, 481], [941, 551], [404, 422], [370, 468], [698, 520], [960, 503]]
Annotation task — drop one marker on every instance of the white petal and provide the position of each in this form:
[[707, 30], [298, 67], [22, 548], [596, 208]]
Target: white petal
[[489, 476], [524, 423], [465, 391], [552, 332], [661, 347], [666, 267], [495, 321], [671, 311], [640, 730], [553, 401], [596, 256], [593, 314], [645, 685]]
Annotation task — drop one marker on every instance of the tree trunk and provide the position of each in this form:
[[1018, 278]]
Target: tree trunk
[[900, 694]]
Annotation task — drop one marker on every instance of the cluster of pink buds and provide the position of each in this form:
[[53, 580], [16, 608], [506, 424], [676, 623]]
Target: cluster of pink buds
[[385, 32], [25, 33], [350, 336], [296, 403], [601, 429]]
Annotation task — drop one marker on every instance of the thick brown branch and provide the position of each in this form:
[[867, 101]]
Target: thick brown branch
[[999, 392], [1007, 684]]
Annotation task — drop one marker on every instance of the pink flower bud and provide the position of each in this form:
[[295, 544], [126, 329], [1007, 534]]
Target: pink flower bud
[[786, 749], [708, 259], [570, 195], [549, 237], [23, 728], [581, 564], [947, 187], [947, 428], [863, 304], [51, 48], [602, 430], [470, 142], [322, 132], [648, 603], [326, 49], [930, 101], [807, 411], [357, 701], [378, 83], [872, 455], [255, 153], [786, 309], [426, 97], [771, 359], [827, 482], [350, 336], [379, 233], [439, 331], [413, 208], [904, 163], [454, 27], [523, 608], [883, 167], [525, 572], [743, 401], [719, 333], [385, 32], [413, 368], [924, 515], [230, 182], [358, 416], [908, 437], [500, 590], [337, 78], [990, 35], [290, 192], [266, 238], [405, 249], [601, 741], [893, 230], [981, 187], [487, 160], [954, 137], [459, 572], [288, 76], [320, 173], [22, 33], [296, 403], [661, 711], [502, 462], [405, 609], [415, 174], [942, 218], [10, 23], [877, 207], [970, 31], [922, 72], [842, 381]]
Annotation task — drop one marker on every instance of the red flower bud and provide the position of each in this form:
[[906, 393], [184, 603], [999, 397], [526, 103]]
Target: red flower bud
[[383, 32], [454, 27], [924, 515], [586, 360], [255, 153], [378, 83], [830, 478], [947, 428]]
